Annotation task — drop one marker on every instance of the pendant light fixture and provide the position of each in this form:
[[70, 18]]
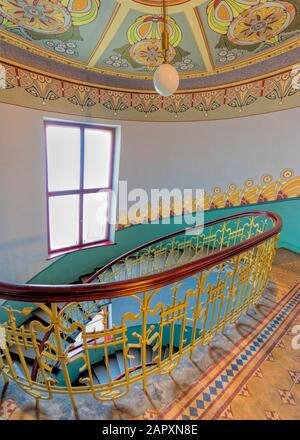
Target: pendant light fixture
[[166, 77]]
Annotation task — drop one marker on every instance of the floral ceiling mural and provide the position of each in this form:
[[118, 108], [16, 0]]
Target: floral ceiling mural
[[53, 25], [248, 27], [144, 42], [123, 37], [47, 17], [141, 51], [97, 57]]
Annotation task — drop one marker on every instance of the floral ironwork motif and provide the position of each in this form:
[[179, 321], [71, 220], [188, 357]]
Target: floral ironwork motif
[[179, 316]]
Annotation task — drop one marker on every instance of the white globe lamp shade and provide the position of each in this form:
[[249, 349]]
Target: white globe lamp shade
[[166, 79]]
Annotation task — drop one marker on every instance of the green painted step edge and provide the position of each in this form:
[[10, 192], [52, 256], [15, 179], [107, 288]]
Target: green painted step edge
[[96, 356]]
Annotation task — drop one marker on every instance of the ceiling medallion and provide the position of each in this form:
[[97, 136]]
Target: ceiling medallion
[[145, 36], [42, 16], [261, 23]]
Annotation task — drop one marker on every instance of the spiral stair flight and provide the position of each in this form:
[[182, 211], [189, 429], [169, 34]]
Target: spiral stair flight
[[139, 314]]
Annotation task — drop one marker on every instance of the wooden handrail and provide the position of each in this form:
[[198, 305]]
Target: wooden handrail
[[90, 292]]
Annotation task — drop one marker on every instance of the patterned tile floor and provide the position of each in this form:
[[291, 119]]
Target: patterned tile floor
[[250, 372]]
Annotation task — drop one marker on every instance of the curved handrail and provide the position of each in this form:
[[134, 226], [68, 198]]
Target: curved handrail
[[89, 292]]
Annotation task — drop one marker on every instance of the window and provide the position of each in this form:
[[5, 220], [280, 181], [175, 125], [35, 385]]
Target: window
[[80, 165]]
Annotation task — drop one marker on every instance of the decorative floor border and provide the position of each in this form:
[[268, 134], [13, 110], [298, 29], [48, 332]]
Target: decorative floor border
[[211, 395]]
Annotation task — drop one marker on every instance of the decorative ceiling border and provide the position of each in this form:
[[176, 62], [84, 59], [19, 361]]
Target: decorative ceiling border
[[295, 67], [13, 40], [40, 91]]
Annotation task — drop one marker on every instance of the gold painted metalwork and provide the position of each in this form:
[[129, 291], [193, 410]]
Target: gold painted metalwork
[[179, 316], [165, 33]]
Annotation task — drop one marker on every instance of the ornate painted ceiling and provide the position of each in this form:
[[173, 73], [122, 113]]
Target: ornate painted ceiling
[[117, 43], [123, 37]]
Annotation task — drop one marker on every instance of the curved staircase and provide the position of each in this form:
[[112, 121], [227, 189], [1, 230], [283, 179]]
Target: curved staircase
[[139, 314], [104, 370]]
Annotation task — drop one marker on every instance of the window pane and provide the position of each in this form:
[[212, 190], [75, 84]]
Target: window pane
[[63, 157], [63, 221], [97, 158], [95, 211]]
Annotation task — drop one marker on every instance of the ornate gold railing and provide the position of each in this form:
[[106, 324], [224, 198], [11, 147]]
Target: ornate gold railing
[[138, 315]]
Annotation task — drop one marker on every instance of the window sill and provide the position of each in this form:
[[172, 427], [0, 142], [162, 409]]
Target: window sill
[[60, 253]]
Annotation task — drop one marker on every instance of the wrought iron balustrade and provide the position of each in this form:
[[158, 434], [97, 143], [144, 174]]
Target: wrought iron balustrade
[[138, 315]]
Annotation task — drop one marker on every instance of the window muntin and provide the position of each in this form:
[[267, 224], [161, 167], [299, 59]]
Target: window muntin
[[80, 162]]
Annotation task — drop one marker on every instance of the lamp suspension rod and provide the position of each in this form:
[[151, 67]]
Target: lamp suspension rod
[[165, 33]]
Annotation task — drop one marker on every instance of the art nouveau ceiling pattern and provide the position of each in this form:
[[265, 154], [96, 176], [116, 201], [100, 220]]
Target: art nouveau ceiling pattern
[[117, 43]]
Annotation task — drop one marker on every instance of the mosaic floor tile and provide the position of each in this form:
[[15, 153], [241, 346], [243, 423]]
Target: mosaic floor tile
[[209, 397], [295, 375], [7, 408], [287, 397], [280, 344], [258, 373], [227, 413], [272, 415], [244, 391]]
